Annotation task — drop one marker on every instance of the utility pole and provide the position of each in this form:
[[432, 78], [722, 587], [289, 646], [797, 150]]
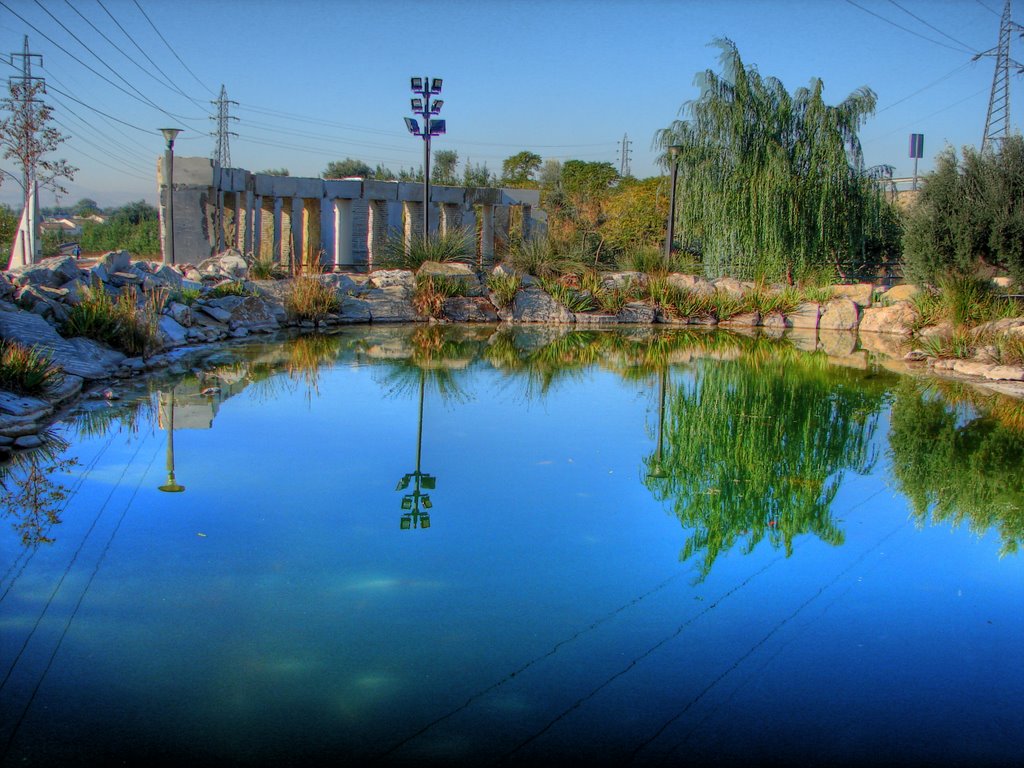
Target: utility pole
[[26, 78], [997, 121], [223, 150], [624, 153]]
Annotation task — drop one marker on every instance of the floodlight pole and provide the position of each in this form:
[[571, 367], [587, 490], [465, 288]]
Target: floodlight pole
[[673, 153], [425, 88]]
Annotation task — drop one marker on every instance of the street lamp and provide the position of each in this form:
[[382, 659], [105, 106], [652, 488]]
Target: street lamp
[[169, 135], [673, 153], [422, 105], [172, 485]]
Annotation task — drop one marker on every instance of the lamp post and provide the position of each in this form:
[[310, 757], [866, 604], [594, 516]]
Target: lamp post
[[169, 134], [673, 153], [422, 104], [172, 485], [658, 470]]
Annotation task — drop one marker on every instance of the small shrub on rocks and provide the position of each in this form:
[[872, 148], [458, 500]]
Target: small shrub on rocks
[[310, 299], [26, 370], [125, 323], [227, 288], [504, 286]]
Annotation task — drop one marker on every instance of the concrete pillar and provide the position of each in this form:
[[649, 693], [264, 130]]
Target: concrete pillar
[[297, 238], [248, 230], [451, 217], [360, 231], [230, 220], [264, 229], [486, 235], [527, 221], [412, 221], [377, 231], [282, 231], [311, 253], [219, 219], [343, 233]]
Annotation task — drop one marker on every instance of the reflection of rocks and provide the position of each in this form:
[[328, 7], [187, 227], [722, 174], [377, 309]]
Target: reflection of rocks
[[837, 343]]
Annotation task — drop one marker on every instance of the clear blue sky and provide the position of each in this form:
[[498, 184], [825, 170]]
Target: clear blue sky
[[318, 80]]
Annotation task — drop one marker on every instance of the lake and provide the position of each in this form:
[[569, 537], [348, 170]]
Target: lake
[[471, 545]]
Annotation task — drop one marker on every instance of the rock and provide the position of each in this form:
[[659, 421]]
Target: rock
[[134, 364], [80, 357], [98, 274], [533, 305], [35, 275], [942, 329], [804, 316], [635, 312], [617, 281], [733, 287], [168, 276], [181, 313], [1003, 282], [468, 309], [774, 321], [896, 319], [837, 343], [393, 278], [1005, 373], [28, 441], [742, 320], [66, 269], [253, 314], [859, 293], [391, 304], [804, 338], [690, 283], [217, 313], [901, 292], [915, 356], [172, 332], [596, 318], [462, 273], [116, 261], [1004, 325], [229, 263], [971, 367], [839, 315], [24, 406]]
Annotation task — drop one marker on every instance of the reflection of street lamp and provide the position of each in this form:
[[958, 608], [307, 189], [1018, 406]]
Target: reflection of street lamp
[[171, 486], [658, 471], [169, 135], [673, 153], [412, 515], [424, 88]]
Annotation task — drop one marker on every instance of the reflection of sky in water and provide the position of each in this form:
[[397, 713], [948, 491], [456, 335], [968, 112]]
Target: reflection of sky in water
[[276, 608]]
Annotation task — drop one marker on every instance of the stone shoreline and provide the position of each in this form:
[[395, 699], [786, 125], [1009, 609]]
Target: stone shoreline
[[34, 303]]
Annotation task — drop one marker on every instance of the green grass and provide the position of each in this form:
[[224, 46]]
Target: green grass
[[227, 288], [451, 246], [26, 370], [504, 286], [539, 258], [266, 269], [186, 296], [127, 322]]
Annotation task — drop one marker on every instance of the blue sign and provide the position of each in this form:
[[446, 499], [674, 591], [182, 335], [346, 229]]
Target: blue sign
[[917, 145]]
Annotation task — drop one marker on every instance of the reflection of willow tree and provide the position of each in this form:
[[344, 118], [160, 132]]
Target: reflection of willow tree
[[956, 468], [755, 449], [30, 492], [564, 357], [436, 357]]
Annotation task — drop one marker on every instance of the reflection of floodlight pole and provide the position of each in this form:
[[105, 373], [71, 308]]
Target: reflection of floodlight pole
[[412, 515], [172, 486], [169, 134], [673, 153], [659, 468], [422, 105]]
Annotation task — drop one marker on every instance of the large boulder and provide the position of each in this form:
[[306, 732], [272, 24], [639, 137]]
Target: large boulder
[[393, 278], [896, 318], [533, 305], [859, 293], [230, 263], [804, 316], [635, 312], [839, 314], [469, 309], [115, 261], [901, 292], [460, 273], [390, 305]]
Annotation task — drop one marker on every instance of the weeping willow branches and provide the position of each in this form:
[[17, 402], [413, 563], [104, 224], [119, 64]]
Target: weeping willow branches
[[771, 183]]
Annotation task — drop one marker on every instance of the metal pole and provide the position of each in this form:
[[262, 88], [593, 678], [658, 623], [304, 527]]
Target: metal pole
[[169, 235], [426, 175], [671, 212]]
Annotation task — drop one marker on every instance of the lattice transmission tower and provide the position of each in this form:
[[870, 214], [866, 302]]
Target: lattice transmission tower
[[624, 153], [997, 122], [222, 152]]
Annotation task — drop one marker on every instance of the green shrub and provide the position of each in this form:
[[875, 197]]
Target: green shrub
[[504, 286], [450, 246], [186, 296], [125, 323], [309, 299], [227, 288], [539, 258], [266, 269], [26, 370]]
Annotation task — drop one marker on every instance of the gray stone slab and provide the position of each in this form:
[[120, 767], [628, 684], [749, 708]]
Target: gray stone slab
[[380, 190], [30, 329], [348, 189]]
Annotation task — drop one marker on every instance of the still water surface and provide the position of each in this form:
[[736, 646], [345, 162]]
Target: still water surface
[[442, 545]]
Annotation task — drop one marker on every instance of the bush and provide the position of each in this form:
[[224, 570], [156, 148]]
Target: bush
[[125, 323], [538, 257], [310, 299], [227, 288], [26, 370], [969, 215], [504, 286], [450, 246]]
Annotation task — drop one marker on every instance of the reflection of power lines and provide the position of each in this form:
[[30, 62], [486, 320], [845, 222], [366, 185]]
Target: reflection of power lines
[[74, 612], [537, 659]]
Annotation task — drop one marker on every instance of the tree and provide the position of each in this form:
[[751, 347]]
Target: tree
[[476, 175], [445, 162], [771, 184], [84, 207], [275, 172], [550, 175], [969, 214], [518, 170], [135, 213], [635, 215], [382, 173], [341, 169], [27, 136], [576, 208]]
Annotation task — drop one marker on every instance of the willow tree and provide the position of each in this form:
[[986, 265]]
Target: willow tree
[[771, 184]]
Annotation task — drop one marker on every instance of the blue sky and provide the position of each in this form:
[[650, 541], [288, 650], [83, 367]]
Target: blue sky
[[318, 80]]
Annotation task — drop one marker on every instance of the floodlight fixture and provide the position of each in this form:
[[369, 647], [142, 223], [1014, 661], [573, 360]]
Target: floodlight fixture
[[416, 83], [406, 523], [423, 88], [437, 127], [424, 521], [435, 86], [407, 502], [417, 105], [427, 503], [402, 484], [413, 126], [436, 106], [429, 482]]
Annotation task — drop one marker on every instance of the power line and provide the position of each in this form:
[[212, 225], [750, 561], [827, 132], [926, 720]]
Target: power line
[[907, 29], [925, 87], [932, 26], [171, 49]]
